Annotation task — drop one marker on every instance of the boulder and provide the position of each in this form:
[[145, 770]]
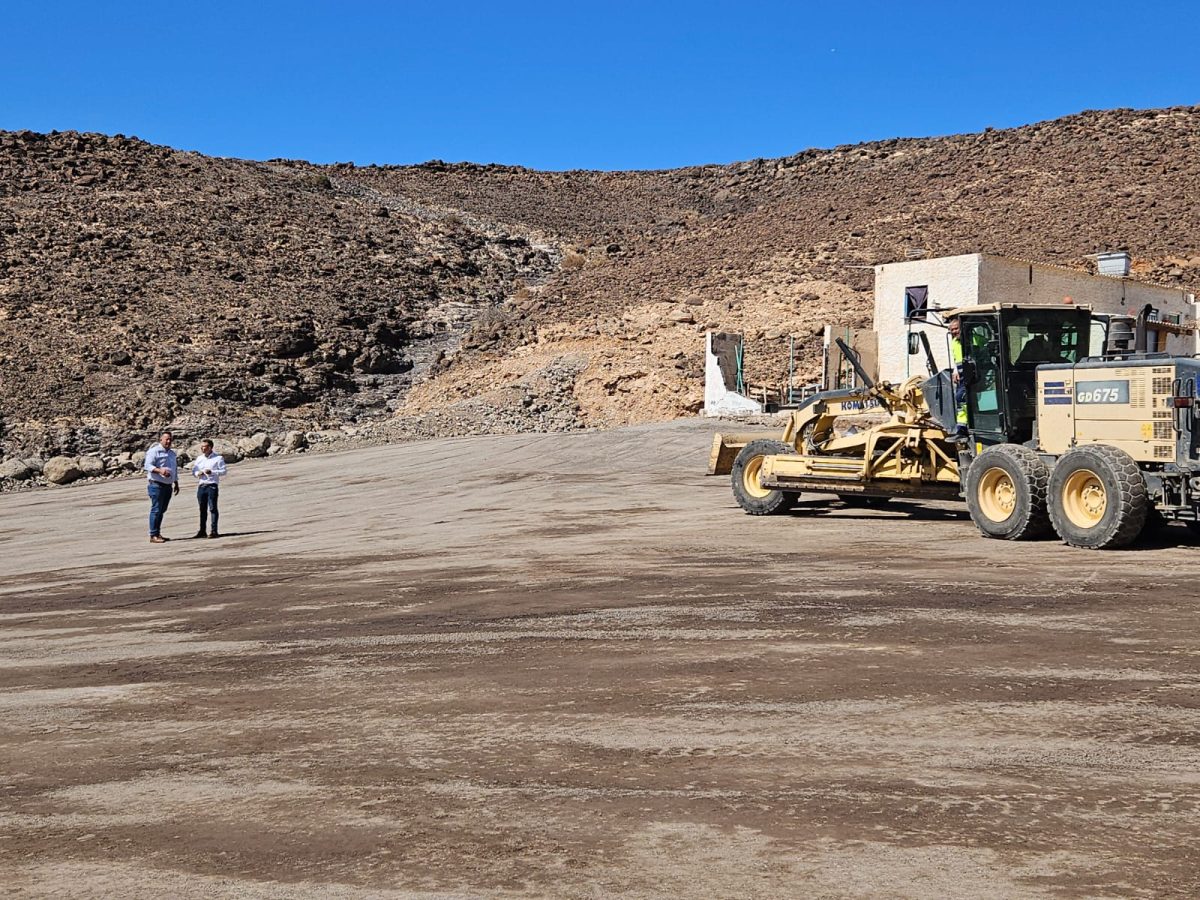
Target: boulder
[[62, 470], [255, 446], [16, 470], [227, 449], [36, 463], [91, 466], [293, 440]]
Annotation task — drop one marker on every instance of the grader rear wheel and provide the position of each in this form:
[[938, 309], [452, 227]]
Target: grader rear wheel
[[998, 494], [747, 489], [1006, 493], [1098, 498], [1084, 499]]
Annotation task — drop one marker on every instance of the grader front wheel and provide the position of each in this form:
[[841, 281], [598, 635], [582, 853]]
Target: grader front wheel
[[750, 482], [748, 490]]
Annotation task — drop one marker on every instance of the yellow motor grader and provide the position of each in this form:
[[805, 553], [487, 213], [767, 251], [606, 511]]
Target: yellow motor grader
[[1055, 440]]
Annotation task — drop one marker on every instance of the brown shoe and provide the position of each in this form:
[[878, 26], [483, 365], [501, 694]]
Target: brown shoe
[[157, 539]]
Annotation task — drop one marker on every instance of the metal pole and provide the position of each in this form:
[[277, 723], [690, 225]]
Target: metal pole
[[791, 365]]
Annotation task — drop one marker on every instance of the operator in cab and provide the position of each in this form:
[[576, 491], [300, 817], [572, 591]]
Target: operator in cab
[[956, 357], [1042, 347]]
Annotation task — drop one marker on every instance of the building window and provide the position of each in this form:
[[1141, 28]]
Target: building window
[[916, 302]]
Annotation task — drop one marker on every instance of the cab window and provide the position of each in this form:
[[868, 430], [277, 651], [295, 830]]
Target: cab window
[[1035, 338]]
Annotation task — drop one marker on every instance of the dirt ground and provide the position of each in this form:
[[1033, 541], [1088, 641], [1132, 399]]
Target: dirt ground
[[568, 666]]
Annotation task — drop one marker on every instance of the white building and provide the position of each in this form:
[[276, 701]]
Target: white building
[[905, 293]]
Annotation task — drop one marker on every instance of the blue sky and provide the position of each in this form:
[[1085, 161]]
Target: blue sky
[[575, 85]]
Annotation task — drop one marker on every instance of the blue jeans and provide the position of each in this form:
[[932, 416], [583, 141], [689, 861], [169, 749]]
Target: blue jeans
[[160, 499], [206, 494]]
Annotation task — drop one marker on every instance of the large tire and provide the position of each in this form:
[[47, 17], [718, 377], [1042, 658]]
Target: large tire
[[1006, 493], [1098, 498], [750, 495]]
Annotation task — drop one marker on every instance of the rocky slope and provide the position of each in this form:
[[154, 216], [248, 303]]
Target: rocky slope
[[774, 248], [141, 285]]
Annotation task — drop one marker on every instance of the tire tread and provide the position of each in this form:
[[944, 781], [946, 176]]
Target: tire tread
[[1035, 522], [776, 502], [1132, 496]]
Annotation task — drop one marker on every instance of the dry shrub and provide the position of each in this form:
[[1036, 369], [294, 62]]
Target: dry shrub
[[573, 261]]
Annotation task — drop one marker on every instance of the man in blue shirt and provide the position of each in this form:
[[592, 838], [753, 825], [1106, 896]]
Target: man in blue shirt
[[162, 482]]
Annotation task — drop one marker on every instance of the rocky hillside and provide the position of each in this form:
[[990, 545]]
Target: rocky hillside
[[140, 285], [777, 247]]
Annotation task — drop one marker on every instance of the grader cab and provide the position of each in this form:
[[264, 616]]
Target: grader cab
[[1067, 429]]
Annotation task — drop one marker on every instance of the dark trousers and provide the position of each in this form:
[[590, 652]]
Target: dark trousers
[[160, 499], [206, 495]]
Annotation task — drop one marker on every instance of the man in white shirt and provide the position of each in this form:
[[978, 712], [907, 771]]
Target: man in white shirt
[[162, 482], [209, 468]]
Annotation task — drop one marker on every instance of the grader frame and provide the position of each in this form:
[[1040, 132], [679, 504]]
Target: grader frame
[[874, 441]]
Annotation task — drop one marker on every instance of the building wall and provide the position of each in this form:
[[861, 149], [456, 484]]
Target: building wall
[[953, 281], [981, 278], [1014, 281]]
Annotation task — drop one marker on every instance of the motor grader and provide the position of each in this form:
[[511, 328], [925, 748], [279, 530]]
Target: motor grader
[[1090, 447]]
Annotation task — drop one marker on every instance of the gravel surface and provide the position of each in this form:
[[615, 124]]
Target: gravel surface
[[568, 666]]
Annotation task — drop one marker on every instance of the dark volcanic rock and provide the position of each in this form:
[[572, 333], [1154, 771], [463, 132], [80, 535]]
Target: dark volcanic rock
[[141, 286]]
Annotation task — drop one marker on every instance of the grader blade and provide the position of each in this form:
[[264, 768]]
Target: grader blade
[[726, 447]]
